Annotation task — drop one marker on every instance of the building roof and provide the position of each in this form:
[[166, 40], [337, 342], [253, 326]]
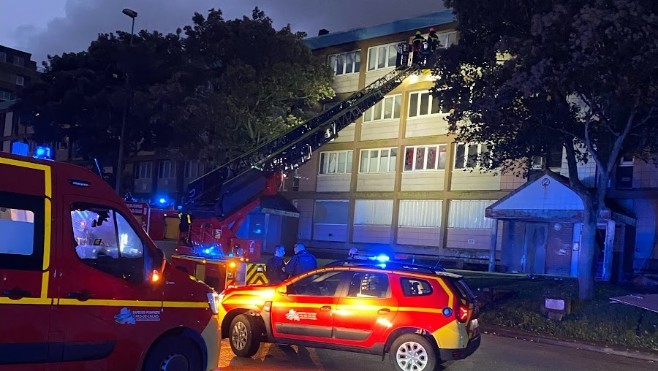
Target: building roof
[[404, 25]]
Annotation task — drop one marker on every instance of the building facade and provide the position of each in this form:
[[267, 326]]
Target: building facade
[[396, 180]]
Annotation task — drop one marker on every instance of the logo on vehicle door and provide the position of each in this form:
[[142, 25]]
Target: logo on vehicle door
[[128, 317], [292, 315], [125, 317]]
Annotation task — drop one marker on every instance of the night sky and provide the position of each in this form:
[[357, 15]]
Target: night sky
[[44, 27]]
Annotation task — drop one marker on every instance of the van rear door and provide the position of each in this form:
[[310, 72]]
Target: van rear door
[[25, 303]]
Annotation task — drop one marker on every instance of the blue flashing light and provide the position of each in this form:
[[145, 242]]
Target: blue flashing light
[[162, 200], [44, 153], [382, 258]]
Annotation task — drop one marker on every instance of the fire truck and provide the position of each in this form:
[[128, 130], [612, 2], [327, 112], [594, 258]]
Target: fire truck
[[83, 287], [221, 200]]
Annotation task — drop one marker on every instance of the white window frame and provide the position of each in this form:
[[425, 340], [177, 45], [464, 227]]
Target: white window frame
[[389, 51], [193, 169], [429, 107], [331, 162], [20, 80], [465, 161], [384, 164], [373, 212], [469, 214], [144, 170], [346, 204], [351, 62], [447, 38], [420, 213], [166, 169], [424, 151], [386, 109]]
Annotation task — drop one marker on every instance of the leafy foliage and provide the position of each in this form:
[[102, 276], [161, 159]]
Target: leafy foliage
[[215, 89], [527, 75]]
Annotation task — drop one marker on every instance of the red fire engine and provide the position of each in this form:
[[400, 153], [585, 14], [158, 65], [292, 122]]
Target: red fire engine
[[221, 200], [83, 287]]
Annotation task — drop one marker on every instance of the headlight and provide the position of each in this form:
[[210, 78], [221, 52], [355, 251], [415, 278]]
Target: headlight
[[213, 302]]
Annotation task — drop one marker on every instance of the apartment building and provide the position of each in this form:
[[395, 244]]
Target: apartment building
[[395, 180], [17, 70]]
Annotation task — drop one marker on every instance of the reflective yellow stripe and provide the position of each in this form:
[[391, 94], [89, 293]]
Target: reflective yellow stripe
[[47, 233], [28, 301], [184, 304]]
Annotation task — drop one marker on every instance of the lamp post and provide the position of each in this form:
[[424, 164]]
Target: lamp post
[[119, 173]]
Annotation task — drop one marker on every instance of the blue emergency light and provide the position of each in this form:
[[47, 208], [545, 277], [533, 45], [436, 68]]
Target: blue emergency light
[[44, 153]]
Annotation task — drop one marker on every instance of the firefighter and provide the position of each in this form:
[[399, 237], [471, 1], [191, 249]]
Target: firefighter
[[275, 266], [433, 40], [303, 261], [184, 228], [417, 47]]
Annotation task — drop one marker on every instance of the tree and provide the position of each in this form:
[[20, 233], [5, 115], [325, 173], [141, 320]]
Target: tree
[[81, 96], [245, 84], [528, 74]]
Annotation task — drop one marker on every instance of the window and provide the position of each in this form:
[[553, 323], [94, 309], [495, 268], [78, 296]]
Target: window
[[626, 160], [418, 158], [420, 213], [166, 169], [373, 212], [368, 285], [193, 169], [378, 160], [345, 63], [415, 287], [388, 108], [144, 170], [423, 104], [382, 56], [447, 38], [466, 155], [22, 231], [6, 95], [20, 80], [19, 61], [469, 214], [3, 57], [552, 160], [321, 284], [105, 240], [331, 212], [336, 162]]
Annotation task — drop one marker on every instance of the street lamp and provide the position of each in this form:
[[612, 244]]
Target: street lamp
[[132, 14]]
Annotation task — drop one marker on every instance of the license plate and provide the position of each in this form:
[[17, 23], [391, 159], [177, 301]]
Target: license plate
[[474, 324]]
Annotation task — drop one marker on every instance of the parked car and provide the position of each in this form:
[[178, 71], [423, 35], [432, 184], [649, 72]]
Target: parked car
[[420, 316]]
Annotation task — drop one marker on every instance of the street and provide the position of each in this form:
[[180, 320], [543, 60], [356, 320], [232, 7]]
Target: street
[[495, 353]]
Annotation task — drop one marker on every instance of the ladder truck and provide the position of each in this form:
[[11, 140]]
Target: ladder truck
[[220, 201]]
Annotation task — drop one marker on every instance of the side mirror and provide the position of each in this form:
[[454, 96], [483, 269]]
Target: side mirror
[[157, 266]]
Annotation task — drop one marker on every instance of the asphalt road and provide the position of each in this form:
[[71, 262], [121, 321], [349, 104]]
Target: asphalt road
[[495, 353]]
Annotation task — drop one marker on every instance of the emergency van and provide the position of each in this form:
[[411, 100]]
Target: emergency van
[[83, 287]]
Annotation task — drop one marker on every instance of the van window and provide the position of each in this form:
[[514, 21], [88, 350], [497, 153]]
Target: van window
[[21, 228], [415, 287], [368, 285], [104, 239]]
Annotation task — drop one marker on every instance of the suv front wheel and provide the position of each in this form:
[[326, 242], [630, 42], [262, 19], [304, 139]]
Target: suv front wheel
[[413, 352], [244, 339]]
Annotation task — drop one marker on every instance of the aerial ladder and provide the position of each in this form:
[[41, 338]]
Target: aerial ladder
[[220, 201]]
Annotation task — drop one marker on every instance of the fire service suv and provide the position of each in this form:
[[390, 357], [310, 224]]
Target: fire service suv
[[83, 287], [221, 201], [420, 316]]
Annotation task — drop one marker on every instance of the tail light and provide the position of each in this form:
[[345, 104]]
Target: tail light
[[462, 313]]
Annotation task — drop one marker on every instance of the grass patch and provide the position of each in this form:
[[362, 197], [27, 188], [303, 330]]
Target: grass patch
[[514, 301]]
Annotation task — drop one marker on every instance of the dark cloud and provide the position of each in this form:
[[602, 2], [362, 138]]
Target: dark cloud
[[84, 19]]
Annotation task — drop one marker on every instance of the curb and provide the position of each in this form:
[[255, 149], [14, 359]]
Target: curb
[[506, 332]]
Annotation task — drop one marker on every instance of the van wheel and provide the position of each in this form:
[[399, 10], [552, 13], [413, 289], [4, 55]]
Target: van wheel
[[413, 352], [244, 337], [174, 354]]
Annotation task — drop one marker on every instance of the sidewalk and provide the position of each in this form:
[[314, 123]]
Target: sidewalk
[[522, 335]]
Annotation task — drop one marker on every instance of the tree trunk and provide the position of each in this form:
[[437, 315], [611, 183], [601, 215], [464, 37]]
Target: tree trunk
[[586, 256]]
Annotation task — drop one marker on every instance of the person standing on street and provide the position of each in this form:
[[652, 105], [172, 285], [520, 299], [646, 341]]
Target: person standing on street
[[303, 261], [275, 266]]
